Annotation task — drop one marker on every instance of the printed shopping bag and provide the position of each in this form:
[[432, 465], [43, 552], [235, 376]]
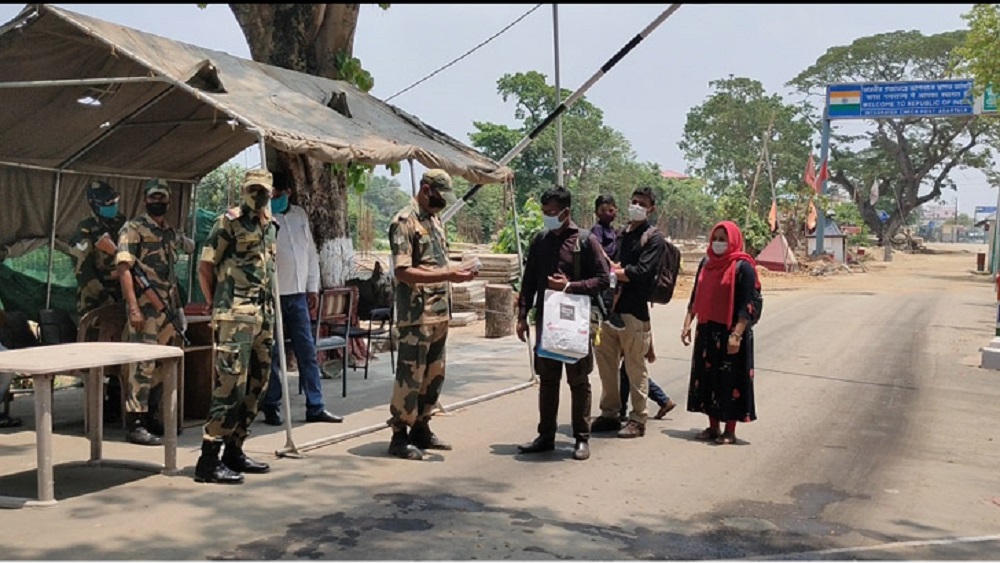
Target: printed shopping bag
[[565, 325]]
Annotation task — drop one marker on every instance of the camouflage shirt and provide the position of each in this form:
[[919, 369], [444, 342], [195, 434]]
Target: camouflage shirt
[[242, 248], [154, 250], [96, 283], [417, 239]]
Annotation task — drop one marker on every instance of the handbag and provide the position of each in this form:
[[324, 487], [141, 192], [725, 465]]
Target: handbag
[[565, 329]]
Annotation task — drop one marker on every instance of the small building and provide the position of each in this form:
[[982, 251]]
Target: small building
[[834, 241]]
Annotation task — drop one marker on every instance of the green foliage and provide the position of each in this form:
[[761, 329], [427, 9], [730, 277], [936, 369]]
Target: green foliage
[[220, 188], [350, 70], [979, 55], [848, 214], [589, 146], [685, 207], [529, 222]]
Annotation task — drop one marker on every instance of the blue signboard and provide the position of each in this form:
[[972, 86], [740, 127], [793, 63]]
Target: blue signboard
[[887, 100], [986, 209]]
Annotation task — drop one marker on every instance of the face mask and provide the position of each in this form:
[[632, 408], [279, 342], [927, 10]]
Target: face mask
[[636, 212], [552, 223], [108, 211], [436, 202], [279, 204], [719, 247], [158, 209], [256, 199]]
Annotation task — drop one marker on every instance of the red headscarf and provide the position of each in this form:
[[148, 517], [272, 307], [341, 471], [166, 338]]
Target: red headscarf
[[713, 300]]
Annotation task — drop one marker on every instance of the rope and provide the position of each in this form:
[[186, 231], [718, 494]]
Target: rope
[[467, 53]]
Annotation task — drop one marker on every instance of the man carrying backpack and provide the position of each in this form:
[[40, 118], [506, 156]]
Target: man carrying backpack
[[639, 266]]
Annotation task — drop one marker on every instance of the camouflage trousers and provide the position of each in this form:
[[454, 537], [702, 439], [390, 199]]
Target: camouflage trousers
[[145, 378], [419, 373], [242, 368]]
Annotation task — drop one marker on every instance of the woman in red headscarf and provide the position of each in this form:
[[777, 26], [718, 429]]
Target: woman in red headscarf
[[723, 303]]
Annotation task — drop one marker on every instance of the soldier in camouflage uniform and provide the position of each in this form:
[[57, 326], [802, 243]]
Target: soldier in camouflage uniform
[[236, 271], [149, 245], [420, 261], [96, 276]]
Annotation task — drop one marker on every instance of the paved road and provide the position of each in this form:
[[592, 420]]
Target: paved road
[[877, 439]]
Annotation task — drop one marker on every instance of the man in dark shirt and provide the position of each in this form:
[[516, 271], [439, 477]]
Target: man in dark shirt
[[606, 211], [558, 260], [636, 274]]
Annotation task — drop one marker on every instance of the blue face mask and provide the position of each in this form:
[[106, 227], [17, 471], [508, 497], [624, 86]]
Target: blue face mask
[[108, 211], [552, 223], [279, 204]]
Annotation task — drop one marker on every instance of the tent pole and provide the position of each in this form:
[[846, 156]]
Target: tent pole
[[193, 259], [413, 180], [560, 178], [52, 241], [279, 332], [523, 143]]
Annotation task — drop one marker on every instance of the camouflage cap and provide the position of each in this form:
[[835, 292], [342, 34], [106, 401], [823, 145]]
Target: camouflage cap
[[438, 179], [156, 186], [258, 177]]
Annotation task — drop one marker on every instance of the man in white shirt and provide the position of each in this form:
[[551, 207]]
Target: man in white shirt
[[297, 264]]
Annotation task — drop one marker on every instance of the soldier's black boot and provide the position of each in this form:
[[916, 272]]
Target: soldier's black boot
[[113, 400], [400, 446], [235, 459], [210, 469], [422, 437], [153, 423], [137, 433]]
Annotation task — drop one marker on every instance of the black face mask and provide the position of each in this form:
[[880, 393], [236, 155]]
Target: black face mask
[[158, 209], [436, 202]]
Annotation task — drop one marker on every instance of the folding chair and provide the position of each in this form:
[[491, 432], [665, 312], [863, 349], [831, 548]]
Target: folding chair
[[337, 307]]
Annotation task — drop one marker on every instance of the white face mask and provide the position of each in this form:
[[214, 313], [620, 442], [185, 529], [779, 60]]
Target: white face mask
[[636, 212], [552, 223], [719, 247]]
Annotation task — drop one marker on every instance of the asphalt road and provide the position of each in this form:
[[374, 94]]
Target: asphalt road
[[876, 439]]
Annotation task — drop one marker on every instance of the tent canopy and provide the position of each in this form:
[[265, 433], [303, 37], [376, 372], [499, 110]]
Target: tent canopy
[[98, 100]]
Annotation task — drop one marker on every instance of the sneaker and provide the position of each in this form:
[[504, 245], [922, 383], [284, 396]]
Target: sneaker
[[665, 409], [632, 430], [604, 424], [616, 321]]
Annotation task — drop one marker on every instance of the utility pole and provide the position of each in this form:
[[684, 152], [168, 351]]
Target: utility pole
[[756, 174], [560, 178]]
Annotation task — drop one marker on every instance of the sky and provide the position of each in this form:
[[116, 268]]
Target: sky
[[646, 96]]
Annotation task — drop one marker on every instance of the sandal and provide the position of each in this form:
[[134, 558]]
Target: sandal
[[707, 434], [9, 422], [726, 438]]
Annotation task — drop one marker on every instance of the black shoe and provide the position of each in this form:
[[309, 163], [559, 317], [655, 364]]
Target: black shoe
[[401, 447], [243, 464], [616, 321], [582, 450], [214, 471], [234, 458], [141, 436], [272, 418], [604, 424], [538, 445], [325, 416], [633, 430], [155, 426], [422, 437]]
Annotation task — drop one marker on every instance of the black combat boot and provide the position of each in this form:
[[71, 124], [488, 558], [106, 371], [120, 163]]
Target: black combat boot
[[235, 459], [113, 400], [137, 433], [152, 421], [400, 446], [210, 470], [422, 437]]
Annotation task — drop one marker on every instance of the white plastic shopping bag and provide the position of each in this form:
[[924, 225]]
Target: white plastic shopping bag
[[565, 326]]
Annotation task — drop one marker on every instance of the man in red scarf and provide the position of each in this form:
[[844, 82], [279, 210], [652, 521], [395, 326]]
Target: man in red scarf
[[723, 302]]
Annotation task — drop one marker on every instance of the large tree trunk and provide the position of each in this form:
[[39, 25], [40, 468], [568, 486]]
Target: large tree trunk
[[306, 38]]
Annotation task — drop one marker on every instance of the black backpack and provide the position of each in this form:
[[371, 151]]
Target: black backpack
[[666, 275], [756, 299]]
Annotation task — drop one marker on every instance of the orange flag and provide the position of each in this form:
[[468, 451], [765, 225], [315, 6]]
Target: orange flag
[[811, 219], [772, 217], [810, 176], [824, 174]]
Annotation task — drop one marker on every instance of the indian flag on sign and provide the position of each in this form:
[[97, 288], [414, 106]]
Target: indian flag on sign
[[845, 102]]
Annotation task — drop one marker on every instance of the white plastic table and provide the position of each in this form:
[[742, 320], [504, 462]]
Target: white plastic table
[[43, 363]]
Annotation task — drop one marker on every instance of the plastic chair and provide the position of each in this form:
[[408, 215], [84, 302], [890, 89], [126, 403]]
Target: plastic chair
[[106, 324]]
